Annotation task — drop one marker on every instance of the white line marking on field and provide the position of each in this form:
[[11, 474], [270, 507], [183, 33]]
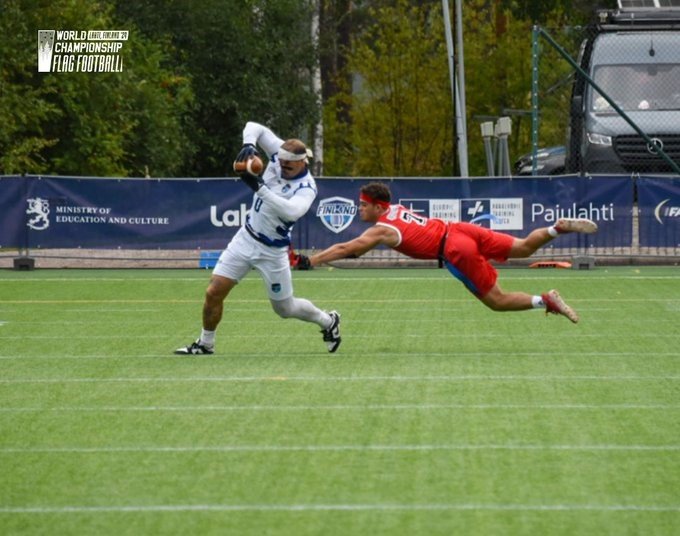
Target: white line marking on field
[[109, 310], [164, 323], [442, 276], [337, 448], [343, 407], [367, 312], [367, 336], [60, 302], [463, 378], [409, 507], [106, 279], [235, 301], [465, 355]]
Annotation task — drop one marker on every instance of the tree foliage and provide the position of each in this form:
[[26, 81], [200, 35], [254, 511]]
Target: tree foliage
[[112, 124], [498, 73], [400, 100], [498, 62], [195, 72], [246, 59], [24, 104]]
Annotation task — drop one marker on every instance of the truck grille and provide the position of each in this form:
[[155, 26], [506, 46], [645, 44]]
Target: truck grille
[[632, 150]]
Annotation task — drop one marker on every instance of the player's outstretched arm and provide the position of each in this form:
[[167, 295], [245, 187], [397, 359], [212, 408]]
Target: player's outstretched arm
[[371, 238]]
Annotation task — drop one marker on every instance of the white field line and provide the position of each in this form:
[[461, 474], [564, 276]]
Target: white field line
[[273, 320], [109, 310], [425, 307], [162, 325], [336, 448], [413, 355], [340, 507], [199, 300], [60, 302], [444, 276], [368, 336], [341, 407], [313, 379], [458, 355]]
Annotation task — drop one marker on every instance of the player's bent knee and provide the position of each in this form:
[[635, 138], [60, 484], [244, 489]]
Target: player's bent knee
[[283, 308]]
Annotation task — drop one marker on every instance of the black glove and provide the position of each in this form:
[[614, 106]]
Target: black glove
[[247, 150], [254, 182], [303, 262]]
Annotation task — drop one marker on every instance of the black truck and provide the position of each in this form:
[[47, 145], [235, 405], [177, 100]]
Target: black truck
[[633, 56]]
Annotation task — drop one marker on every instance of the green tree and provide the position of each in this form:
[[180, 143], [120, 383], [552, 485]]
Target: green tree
[[498, 61], [24, 104], [400, 99], [498, 58], [246, 59], [498, 72], [108, 124]]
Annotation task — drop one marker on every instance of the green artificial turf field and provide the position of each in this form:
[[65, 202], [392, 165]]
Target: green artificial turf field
[[436, 416]]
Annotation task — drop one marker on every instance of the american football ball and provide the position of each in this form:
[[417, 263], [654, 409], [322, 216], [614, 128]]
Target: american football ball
[[253, 165]]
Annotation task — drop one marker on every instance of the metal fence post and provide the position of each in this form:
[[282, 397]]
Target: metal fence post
[[534, 98]]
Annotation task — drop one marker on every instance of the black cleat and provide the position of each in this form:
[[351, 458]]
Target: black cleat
[[195, 348], [331, 336]]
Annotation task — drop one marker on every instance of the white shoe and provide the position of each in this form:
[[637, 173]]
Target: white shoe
[[575, 225]]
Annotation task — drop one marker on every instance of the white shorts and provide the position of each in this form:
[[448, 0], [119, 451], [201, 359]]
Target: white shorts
[[244, 253]]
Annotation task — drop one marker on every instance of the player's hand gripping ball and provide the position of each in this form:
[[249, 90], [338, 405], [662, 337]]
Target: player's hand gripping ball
[[253, 165]]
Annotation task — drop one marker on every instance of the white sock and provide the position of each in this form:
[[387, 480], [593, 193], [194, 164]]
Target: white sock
[[301, 309], [537, 302], [207, 338], [552, 231]]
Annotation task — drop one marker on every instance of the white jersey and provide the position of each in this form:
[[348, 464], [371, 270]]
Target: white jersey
[[280, 202]]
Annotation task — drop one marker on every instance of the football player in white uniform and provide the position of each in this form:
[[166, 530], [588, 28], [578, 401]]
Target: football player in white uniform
[[283, 194]]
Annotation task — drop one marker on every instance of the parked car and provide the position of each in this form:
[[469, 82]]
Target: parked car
[[549, 161]]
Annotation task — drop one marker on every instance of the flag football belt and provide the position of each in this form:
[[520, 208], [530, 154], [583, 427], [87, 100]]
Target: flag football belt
[[278, 243], [442, 243]]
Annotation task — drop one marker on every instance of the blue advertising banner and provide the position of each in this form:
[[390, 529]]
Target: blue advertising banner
[[659, 211], [13, 212], [62, 212], [58, 212], [514, 206]]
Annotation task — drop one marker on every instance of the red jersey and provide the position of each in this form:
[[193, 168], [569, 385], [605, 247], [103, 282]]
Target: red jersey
[[419, 237]]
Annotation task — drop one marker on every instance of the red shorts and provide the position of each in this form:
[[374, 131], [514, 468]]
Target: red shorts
[[467, 252]]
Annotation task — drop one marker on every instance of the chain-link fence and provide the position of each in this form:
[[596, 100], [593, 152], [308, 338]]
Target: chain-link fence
[[610, 94]]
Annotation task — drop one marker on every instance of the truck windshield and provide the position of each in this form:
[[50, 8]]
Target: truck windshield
[[637, 87]]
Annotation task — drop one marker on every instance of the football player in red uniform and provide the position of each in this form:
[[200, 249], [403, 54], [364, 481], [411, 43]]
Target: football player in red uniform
[[464, 248]]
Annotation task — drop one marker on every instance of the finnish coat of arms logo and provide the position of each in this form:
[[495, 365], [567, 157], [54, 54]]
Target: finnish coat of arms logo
[[38, 211]]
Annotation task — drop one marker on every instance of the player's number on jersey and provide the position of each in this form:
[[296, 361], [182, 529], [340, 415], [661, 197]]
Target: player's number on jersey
[[258, 204], [410, 217]]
